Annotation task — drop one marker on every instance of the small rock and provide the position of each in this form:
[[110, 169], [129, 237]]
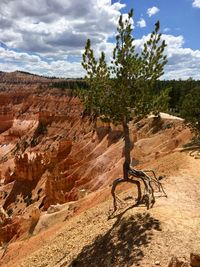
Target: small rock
[[195, 259], [157, 262]]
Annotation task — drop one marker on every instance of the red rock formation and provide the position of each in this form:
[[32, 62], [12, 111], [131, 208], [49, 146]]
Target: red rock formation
[[10, 229], [28, 169], [58, 188], [6, 117], [64, 149], [80, 156]]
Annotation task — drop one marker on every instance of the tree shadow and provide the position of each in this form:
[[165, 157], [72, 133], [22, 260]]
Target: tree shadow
[[122, 245]]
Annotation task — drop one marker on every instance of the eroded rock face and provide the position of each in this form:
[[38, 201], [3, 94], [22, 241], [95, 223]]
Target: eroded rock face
[[3, 215], [59, 188], [34, 218], [9, 230], [6, 117], [54, 155], [27, 168]]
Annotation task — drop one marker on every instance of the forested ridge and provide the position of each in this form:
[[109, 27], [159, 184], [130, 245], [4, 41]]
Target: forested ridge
[[179, 89]]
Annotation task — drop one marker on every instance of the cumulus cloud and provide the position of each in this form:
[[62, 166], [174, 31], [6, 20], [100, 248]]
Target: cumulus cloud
[[13, 56], [182, 62], [47, 37], [35, 64], [152, 11], [196, 3], [57, 26], [141, 23]]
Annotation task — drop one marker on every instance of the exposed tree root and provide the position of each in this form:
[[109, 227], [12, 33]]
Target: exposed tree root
[[118, 181], [156, 181], [148, 196], [194, 151]]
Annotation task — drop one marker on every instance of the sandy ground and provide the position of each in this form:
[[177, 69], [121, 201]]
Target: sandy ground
[[132, 237]]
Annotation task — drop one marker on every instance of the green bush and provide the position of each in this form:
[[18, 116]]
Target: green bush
[[190, 110]]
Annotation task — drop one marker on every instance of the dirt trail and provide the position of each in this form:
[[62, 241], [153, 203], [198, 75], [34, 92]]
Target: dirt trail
[[134, 237]]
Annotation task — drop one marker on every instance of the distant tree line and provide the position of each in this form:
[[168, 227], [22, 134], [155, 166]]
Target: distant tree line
[[184, 97], [179, 90], [70, 84], [184, 101]]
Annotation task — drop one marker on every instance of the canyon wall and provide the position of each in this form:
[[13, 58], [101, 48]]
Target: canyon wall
[[50, 154]]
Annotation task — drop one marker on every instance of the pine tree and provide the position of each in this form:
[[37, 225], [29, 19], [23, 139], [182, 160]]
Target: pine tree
[[126, 86], [190, 111]]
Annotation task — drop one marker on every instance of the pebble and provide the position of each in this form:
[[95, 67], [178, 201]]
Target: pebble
[[157, 262]]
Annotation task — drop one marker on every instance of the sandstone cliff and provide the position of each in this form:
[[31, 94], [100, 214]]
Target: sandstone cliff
[[50, 154]]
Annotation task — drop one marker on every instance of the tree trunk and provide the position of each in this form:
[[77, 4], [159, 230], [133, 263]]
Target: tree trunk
[[148, 197], [127, 148]]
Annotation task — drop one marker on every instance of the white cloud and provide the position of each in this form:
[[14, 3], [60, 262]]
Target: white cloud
[[196, 3], [48, 37], [152, 11], [141, 23], [57, 26], [35, 64], [182, 62], [13, 56]]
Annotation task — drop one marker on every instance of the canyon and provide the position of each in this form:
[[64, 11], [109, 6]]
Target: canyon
[[56, 168]]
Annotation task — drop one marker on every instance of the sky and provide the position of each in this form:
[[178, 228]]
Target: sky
[[47, 37]]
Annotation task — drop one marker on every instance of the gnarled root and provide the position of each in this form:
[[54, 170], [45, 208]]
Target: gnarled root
[[156, 181], [118, 181], [148, 196]]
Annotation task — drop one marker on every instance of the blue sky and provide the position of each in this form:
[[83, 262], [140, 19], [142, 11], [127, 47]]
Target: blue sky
[[48, 37], [178, 17]]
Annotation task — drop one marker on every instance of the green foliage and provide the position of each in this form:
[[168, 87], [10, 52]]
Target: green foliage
[[69, 84], [179, 89], [98, 81], [161, 101], [127, 85], [190, 109]]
